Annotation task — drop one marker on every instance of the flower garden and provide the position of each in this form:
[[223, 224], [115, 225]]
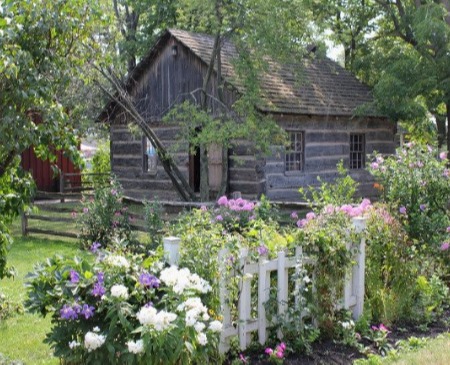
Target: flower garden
[[120, 302]]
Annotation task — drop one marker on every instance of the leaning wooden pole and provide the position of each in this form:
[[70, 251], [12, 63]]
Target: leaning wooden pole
[[124, 101]]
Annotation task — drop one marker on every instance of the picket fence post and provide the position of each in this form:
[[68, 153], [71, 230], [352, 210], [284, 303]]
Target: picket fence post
[[172, 249]]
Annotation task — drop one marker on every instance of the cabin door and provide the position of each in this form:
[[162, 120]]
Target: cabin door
[[215, 167], [194, 169]]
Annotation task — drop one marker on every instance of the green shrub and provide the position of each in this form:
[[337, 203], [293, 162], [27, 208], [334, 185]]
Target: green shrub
[[101, 164], [154, 222], [104, 218], [415, 183], [9, 308]]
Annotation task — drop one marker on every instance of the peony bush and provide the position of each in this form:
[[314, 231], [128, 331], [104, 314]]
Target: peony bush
[[119, 308]]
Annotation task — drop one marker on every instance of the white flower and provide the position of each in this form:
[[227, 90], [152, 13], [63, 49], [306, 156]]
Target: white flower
[[119, 291], [93, 341], [96, 329], [199, 326], [149, 316], [146, 315], [135, 347], [73, 344], [163, 320], [205, 316], [347, 325], [202, 339], [181, 280], [306, 279], [117, 261], [216, 326]]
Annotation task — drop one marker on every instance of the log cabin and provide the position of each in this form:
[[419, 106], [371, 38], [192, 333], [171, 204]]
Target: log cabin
[[321, 114]]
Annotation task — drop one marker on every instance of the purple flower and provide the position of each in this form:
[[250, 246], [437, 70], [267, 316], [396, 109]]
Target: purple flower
[[148, 305], [85, 210], [68, 313], [100, 277], [95, 246], [203, 208], [113, 192], [422, 207], [74, 277], [374, 165], [149, 280], [448, 229], [263, 250], [443, 155], [87, 311], [301, 223], [445, 246], [402, 210], [446, 173], [294, 215], [222, 200], [98, 290], [219, 218]]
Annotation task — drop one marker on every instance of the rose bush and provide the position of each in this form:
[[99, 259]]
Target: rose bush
[[123, 309]]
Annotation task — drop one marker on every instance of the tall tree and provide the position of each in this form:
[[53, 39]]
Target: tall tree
[[139, 22]]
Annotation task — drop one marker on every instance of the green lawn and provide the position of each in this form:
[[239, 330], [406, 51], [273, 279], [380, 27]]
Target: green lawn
[[21, 336]]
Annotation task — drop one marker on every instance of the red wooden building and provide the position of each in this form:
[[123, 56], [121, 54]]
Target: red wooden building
[[46, 177]]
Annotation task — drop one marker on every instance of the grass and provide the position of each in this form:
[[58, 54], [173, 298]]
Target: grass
[[21, 337]]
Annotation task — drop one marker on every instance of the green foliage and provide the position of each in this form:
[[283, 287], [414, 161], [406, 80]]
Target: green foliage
[[341, 191], [16, 191], [9, 308], [154, 223], [392, 266], [104, 218], [432, 298], [101, 164], [123, 309], [415, 183]]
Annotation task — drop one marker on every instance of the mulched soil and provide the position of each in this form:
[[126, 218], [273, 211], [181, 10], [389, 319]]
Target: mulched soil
[[330, 353]]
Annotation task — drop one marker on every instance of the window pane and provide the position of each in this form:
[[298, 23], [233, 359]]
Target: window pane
[[294, 156], [357, 151]]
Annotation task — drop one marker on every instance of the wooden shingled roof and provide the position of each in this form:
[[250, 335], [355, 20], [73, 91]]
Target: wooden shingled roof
[[323, 88]]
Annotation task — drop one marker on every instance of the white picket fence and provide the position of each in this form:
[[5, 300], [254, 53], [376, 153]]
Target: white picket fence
[[245, 325]]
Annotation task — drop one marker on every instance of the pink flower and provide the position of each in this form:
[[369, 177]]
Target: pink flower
[[445, 246], [374, 165], [219, 218], [282, 346], [294, 215], [203, 208], [448, 229], [268, 351], [222, 200], [443, 155], [446, 173], [279, 354], [301, 223], [383, 328], [74, 214], [310, 216], [85, 210]]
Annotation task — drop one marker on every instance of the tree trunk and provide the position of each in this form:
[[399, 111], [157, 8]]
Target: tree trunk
[[447, 105], [441, 128]]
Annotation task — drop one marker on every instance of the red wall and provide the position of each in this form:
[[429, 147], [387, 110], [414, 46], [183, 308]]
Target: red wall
[[43, 174]]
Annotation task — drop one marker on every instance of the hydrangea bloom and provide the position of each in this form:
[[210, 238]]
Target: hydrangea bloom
[[135, 347], [216, 326], [119, 291], [202, 339], [93, 341], [181, 280], [146, 315], [149, 316], [74, 344], [199, 326], [117, 261]]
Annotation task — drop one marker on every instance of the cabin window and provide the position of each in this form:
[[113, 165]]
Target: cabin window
[[357, 151], [150, 157], [295, 153]]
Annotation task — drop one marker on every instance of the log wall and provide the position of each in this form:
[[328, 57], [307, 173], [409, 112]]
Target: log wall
[[327, 141]]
